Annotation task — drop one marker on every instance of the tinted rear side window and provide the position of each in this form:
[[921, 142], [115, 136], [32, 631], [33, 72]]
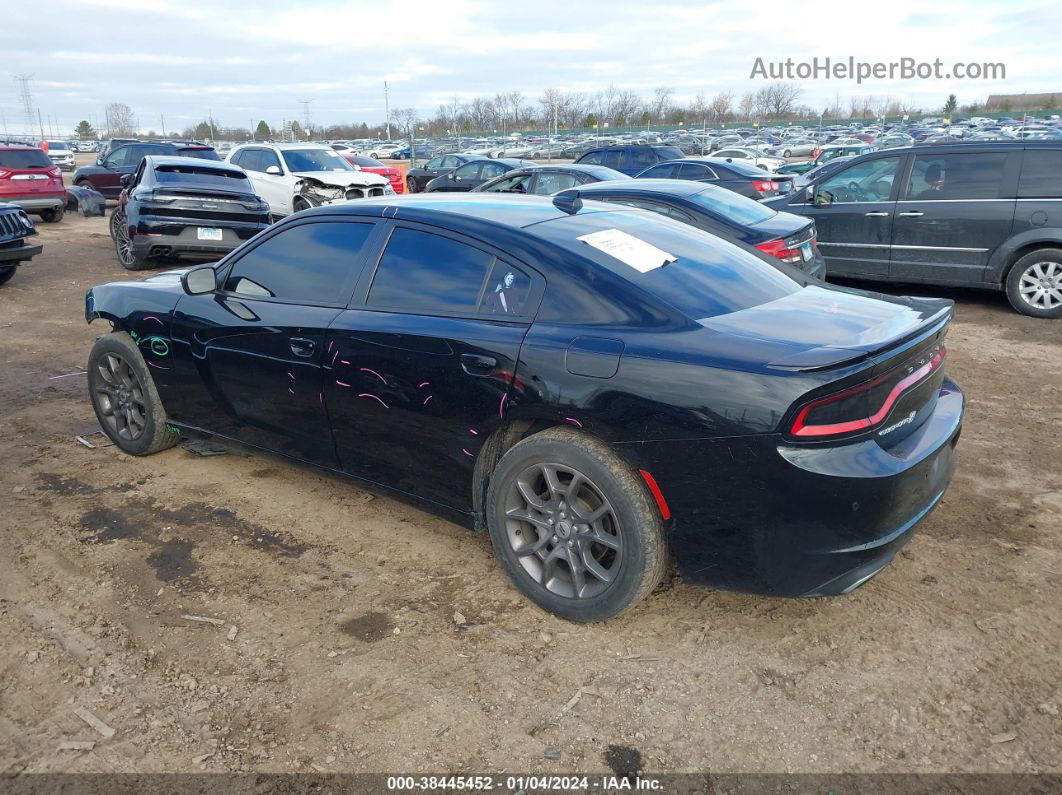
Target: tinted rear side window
[[425, 273], [668, 153], [710, 277], [1041, 174], [969, 175], [24, 158], [309, 263]]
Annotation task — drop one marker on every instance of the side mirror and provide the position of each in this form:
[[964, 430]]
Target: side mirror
[[455, 178], [125, 179], [99, 161], [274, 170], [199, 281]]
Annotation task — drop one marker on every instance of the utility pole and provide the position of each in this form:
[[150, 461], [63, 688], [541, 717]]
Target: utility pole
[[3, 118], [306, 116], [162, 119], [387, 110], [25, 96], [40, 122]]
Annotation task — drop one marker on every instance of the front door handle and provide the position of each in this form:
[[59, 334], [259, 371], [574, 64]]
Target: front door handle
[[301, 346], [912, 214], [476, 364], [876, 215]]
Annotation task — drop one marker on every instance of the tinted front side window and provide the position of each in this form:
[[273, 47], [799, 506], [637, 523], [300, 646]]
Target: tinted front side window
[[642, 158], [551, 182], [425, 273], [869, 181], [309, 264], [960, 176], [663, 171], [613, 158], [593, 158], [1041, 174], [492, 170]]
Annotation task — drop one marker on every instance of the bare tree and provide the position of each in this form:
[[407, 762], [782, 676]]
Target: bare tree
[[661, 102], [121, 123], [747, 105], [722, 106], [778, 100]]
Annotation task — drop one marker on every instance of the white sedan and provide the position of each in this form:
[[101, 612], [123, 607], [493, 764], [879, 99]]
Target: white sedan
[[751, 156], [380, 150]]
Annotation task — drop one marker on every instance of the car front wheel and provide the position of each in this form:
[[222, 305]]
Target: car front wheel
[[6, 272], [124, 397], [1034, 284], [411, 184], [574, 526]]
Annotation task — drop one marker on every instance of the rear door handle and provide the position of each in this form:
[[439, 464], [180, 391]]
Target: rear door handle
[[301, 346], [876, 215], [912, 214], [476, 364]]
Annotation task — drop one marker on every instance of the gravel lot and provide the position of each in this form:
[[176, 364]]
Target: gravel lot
[[351, 632]]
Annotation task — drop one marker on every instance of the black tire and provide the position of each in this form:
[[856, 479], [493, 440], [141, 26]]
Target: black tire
[[635, 557], [1039, 273], [126, 402], [53, 216], [411, 185], [130, 259], [6, 272], [787, 154], [299, 203]]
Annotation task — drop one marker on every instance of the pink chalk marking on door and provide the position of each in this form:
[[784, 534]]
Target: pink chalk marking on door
[[429, 397], [343, 383], [157, 366], [369, 370], [152, 317], [423, 384], [573, 421], [292, 391], [463, 450], [473, 431], [335, 356], [374, 397], [501, 406], [343, 361]]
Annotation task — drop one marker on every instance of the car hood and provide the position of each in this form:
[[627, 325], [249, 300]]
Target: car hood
[[341, 179]]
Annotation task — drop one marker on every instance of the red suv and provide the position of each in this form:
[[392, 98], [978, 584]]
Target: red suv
[[29, 179]]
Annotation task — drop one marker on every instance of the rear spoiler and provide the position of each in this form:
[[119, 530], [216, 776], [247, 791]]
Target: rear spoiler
[[830, 357]]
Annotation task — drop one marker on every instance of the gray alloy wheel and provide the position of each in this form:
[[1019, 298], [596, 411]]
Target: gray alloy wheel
[[125, 399], [123, 244], [1041, 285], [563, 530], [119, 397], [574, 525], [787, 153], [1034, 284]]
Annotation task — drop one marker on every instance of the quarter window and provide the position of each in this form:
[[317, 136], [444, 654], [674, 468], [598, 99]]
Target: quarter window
[[309, 264], [1041, 174], [492, 170], [424, 273], [506, 291], [956, 176], [551, 182]]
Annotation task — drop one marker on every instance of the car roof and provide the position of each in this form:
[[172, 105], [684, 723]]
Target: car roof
[[672, 187], [198, 162]]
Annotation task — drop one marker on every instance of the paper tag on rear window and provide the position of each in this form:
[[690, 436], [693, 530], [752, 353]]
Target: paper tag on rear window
[[628, 249]]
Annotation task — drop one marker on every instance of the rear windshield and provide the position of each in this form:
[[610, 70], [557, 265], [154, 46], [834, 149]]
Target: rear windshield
[[732, 206], [24, 158], [710, 276], [195, 175], [201, 152], [366, 162], [744, 169]]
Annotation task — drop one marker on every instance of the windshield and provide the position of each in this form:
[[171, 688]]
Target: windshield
[[24, 158], [57, 145], [733, 206], [315, 160]]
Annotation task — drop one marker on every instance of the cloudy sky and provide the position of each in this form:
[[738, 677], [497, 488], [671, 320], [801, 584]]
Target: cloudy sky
[[244, 61]]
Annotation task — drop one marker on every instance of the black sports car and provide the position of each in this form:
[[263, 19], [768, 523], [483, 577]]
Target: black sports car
[[784, 236], [418, 178], [601, 389], [15, 229], [474, 173], [184, 208]]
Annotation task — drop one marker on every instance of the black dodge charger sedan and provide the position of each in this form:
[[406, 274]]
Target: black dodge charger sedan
[[600, 388], [184, 208]]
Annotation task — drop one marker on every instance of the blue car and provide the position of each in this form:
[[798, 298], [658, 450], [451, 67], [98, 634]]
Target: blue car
[[601, 389]]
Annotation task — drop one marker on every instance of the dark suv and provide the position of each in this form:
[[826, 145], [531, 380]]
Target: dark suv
[[630, 159], [15, 228], [106, 175], [184, 208], [971, 215]]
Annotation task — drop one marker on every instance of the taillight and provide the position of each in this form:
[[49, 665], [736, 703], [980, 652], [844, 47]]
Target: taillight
[[861, 407], [765, 185], [779, 249]]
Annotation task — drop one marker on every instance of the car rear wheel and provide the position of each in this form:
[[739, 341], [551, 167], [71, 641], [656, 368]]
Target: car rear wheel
[[787, 153], [574, 526], [123, 244], [411, 184], [1034, 284], [124, 397], [6, 272], [53, 216]]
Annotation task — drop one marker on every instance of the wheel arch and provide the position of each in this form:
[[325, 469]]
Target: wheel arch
[[1017, 247]]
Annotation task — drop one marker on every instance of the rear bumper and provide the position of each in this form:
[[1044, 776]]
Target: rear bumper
[[166, 238], [36, 203], [756, 514], [19, 253]]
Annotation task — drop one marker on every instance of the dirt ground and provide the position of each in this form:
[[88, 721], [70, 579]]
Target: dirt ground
[[350, 632]]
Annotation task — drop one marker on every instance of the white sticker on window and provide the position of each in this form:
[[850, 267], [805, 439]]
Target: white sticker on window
[[629, 249]]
